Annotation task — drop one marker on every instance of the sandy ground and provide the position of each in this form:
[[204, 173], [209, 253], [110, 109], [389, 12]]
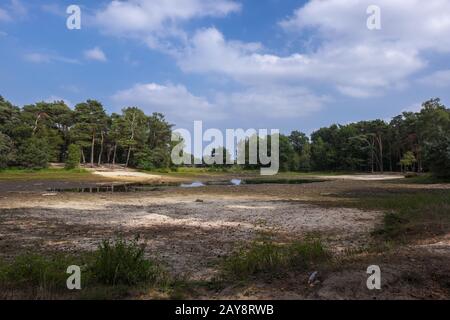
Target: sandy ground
[[187, 229], [190, 230], [128, 175]]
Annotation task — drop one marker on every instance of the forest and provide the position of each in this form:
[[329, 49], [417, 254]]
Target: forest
[[35, 135]]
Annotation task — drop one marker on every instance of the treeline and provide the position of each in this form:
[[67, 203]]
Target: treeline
[[37, 134], [412, 141]]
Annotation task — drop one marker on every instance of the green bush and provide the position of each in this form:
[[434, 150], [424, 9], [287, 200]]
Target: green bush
[[264, 256], [73, 157], [34, 154], [31, 270], [123, 263]]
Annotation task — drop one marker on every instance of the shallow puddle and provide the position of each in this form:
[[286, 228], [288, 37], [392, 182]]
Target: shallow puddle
[[140, 187]]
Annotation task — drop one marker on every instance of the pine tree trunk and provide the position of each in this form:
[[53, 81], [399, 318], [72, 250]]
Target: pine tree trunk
[[114, 156], [128, 157], [372, 157], [92, 150], [380, 144], [101, 150], [108, 158]]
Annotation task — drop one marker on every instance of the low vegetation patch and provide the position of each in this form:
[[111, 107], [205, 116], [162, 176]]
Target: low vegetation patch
[[265, 257], [35, 272], [408, 214], [414, 215], [109, 272], [422, 178], [46, 174], [122, 263]]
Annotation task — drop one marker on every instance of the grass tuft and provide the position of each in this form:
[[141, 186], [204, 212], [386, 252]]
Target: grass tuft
[[123, 263], [265, 257]]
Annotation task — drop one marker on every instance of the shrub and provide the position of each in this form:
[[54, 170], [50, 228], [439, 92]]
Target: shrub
[[123, 263], [264, 256], [73, 157], [31, 270]]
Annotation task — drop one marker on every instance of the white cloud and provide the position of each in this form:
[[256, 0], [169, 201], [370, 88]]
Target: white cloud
[[440, 79], [175, 101], [360, 70], [183, 107], [37, 57], [139, 17], [95, 54], [274, 102], [357, 62], [415, 24]]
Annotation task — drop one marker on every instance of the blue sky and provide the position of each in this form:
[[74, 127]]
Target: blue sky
[[278, 64]]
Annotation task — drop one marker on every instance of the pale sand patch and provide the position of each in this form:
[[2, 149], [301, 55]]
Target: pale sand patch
[[128, 175]]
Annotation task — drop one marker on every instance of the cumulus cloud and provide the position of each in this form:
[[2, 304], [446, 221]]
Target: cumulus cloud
[[361, 70], [358, 62], [380, 59], [275, 102], [345, 54], [145, 16], [175, 101], [95, 54], [184, 107], [414, 24]]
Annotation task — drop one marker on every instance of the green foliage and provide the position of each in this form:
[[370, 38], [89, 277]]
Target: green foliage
[[123, 263], [411, 215], [7, 151], [73, 157], [38, 272], [434, 124], [108, 272], [266, 257], [33, 154], [142, 141], [408, 160], [19, 174]]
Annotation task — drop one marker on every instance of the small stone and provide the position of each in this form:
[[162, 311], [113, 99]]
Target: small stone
[[199, 200], [313, 277]]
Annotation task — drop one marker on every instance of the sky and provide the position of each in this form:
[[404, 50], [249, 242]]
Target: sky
[[275, 64]]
